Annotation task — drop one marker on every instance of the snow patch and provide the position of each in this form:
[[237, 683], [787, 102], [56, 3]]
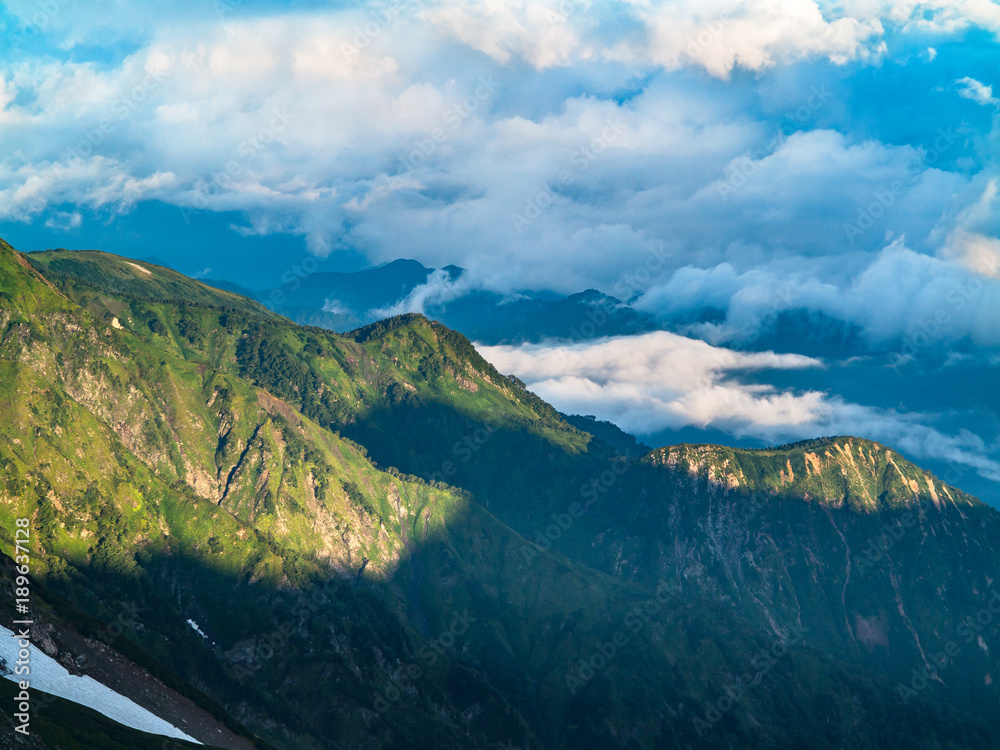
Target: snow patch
[[137, 267], [195, 628], [51, 677]]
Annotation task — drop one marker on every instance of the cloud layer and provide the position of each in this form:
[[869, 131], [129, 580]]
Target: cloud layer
[[540, 145], [661, 381]]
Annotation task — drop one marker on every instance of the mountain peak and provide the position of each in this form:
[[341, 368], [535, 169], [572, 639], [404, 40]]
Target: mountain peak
[[865, 475]]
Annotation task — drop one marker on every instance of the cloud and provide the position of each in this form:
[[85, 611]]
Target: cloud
[[978, 92], [439, 289], [658, 381], [968, 244], [539, 145], [931, 16], [716, 35], [721, 35], [539, 32], [976, 252], [899, 296], [64, 220], [96, 183]]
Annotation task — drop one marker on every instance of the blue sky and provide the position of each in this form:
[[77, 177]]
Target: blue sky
[[839, 158]]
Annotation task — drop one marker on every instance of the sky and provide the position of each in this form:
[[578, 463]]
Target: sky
[[737, 157]]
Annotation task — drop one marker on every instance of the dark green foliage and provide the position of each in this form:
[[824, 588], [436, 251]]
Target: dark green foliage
[[357, 497]]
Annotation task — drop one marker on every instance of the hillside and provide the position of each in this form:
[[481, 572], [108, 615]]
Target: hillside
[[357, 525]]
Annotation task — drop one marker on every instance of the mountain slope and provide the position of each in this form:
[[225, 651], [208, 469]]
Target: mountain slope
[[214, 466], [883, 564]]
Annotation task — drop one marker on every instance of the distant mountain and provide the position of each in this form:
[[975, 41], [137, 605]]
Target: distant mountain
[[376, 540], [532, 317], [229, 286], [342, 301], [355, 292]]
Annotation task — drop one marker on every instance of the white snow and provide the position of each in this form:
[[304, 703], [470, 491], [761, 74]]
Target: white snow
[[51, 677], [137, 267], [195, 628]]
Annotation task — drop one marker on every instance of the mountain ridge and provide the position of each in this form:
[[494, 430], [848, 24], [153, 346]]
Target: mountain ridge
[[873, 475], [326, 508]]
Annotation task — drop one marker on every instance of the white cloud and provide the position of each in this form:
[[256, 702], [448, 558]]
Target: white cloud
[[578, 115], [976, 252], [930, 16], [439, 288], [897, 294], [717, 35], [539, 32], [978, 92], [64, 220], [95, 183], [721, 35], [967, 244], [657, 381]]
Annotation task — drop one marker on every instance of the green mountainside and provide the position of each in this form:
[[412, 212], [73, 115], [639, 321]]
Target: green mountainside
[[385, 543]]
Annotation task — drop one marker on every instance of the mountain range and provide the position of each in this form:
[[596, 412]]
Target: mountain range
[[342, 301], [278, 535]]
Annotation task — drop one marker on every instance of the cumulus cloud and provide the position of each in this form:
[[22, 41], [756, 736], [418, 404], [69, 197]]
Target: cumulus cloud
[[716, 35], [930, 16], [64, 220], [657, 381], [540, 145], [900, 296], [976, 252], [978, 92], [721, 35], [96, 183]]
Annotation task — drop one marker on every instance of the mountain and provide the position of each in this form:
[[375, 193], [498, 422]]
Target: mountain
[[376, 540], [349, 294], [608, 433], [343, 301]]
